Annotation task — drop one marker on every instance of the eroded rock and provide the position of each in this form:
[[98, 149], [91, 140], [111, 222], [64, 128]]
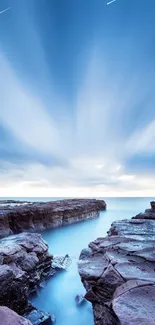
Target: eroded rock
[[80, 300], [9, 317], [24, 263], [148, 214], [39, 216], [37, 317], [118, 273], [136, 306]]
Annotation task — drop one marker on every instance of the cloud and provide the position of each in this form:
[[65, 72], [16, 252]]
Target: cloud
[[2, 11], [25, 114], [92, 144], [110, 2], [143, 140]]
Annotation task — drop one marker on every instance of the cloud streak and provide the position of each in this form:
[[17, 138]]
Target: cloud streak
[[84, 144], [110, 2], [2, 11]]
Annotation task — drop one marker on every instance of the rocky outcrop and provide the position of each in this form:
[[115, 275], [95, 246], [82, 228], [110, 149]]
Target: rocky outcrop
[[39, 216], [134, 228], [24, 262], [148, 214], [118, 273], [9, 317]]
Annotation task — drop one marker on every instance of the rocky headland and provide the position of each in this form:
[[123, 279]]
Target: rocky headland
[[118, 272], [16, 217]]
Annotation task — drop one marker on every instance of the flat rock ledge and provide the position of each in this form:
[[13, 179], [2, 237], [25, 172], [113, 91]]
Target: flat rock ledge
[[16, 216], [118, 272]]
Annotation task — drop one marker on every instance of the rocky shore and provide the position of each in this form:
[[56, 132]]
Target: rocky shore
[[148, 214], [25, 262], [118, 272], [38, 216]]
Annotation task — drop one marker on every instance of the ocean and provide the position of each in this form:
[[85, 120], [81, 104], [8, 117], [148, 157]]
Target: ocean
[[58, 295]]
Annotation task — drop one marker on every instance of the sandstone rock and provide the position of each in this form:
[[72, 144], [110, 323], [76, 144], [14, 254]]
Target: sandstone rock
[[136, 306], [9, 317], [24, 263], [118, 273], [134, 228], [44, 215]]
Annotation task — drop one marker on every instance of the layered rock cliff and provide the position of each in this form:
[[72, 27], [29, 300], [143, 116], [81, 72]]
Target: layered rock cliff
[[118, 273], [39, 216]]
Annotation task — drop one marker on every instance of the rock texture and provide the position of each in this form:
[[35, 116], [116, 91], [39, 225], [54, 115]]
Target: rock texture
[[24, 262], [148, 214], [118, 273], [37, 317], [80, 300], [45, 215], [9, 317]]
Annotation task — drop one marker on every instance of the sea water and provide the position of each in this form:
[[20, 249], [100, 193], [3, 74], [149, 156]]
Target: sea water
[[58, 295]]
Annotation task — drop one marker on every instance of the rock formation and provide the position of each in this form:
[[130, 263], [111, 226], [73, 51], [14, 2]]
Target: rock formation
[[148, 214], [118, 273], [24, 262], [9, 317], [39, 216], [80, 300]]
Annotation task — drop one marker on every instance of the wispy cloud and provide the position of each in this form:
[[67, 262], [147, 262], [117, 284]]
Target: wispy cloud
[[110, 2], [24, 113], [2, 11], [58, 146]]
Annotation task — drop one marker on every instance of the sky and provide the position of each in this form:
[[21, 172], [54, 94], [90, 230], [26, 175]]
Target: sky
[[77, 98]]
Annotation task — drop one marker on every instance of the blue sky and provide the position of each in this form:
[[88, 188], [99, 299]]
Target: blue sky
[[77, 99]]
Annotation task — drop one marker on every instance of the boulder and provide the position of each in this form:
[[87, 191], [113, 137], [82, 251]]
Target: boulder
[[61, 262], [80, 300], [37, 317]]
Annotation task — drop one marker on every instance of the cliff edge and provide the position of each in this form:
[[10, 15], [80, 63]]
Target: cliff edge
[[38, 216]]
